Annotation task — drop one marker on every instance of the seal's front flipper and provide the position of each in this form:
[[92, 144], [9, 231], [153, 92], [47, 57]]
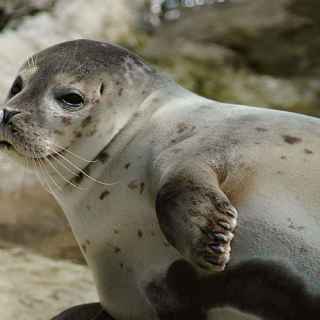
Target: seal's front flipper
[[84, 312], [196, 216]]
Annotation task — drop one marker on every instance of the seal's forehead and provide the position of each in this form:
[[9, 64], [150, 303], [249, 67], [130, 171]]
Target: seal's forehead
[[80, 57]]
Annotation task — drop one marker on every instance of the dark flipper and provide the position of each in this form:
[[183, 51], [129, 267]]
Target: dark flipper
[[90, 311], [263, 288]]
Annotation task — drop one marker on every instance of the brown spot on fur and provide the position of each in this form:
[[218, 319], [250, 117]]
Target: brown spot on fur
[[104, 194], [120, 92], [140, 234], [182, 126], [141, 187], [117, 250], [78, 134], [78, 179], [308, 151], [102, 88], [103, 156], [283, 158], [85, 122], [260, 129], [127, 165], [134, 184], [291, 139]]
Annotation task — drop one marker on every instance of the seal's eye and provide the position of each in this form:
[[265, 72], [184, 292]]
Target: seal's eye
[[16, 87], [71, 100]]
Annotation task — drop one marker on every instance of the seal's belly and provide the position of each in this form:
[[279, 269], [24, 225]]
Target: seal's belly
[[123, 270], [126, 251]]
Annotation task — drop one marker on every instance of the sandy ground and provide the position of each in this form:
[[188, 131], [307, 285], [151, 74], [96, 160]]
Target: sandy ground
[[37, 288]]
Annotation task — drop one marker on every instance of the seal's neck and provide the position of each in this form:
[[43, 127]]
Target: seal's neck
[[129, 112], [132, 108]]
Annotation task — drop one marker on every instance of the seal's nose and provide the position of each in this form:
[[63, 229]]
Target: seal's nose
[[7, 115]]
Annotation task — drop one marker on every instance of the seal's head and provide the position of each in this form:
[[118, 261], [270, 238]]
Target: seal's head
[[76, 90]]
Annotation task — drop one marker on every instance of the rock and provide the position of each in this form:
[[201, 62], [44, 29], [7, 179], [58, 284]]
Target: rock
[[262, 53], [37, 288], [11, 11]]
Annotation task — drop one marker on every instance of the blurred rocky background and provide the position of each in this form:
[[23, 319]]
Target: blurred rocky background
[[254, 52]]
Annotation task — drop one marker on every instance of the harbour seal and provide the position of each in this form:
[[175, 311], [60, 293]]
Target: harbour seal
[[148, 173]]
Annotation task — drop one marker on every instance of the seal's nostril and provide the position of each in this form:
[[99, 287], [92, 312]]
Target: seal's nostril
[[7, 115]]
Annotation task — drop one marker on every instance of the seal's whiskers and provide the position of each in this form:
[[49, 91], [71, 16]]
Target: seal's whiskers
[[83, 172], [41, 179], [46, 174], [62, 149], [61, 175], [69, 169]]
